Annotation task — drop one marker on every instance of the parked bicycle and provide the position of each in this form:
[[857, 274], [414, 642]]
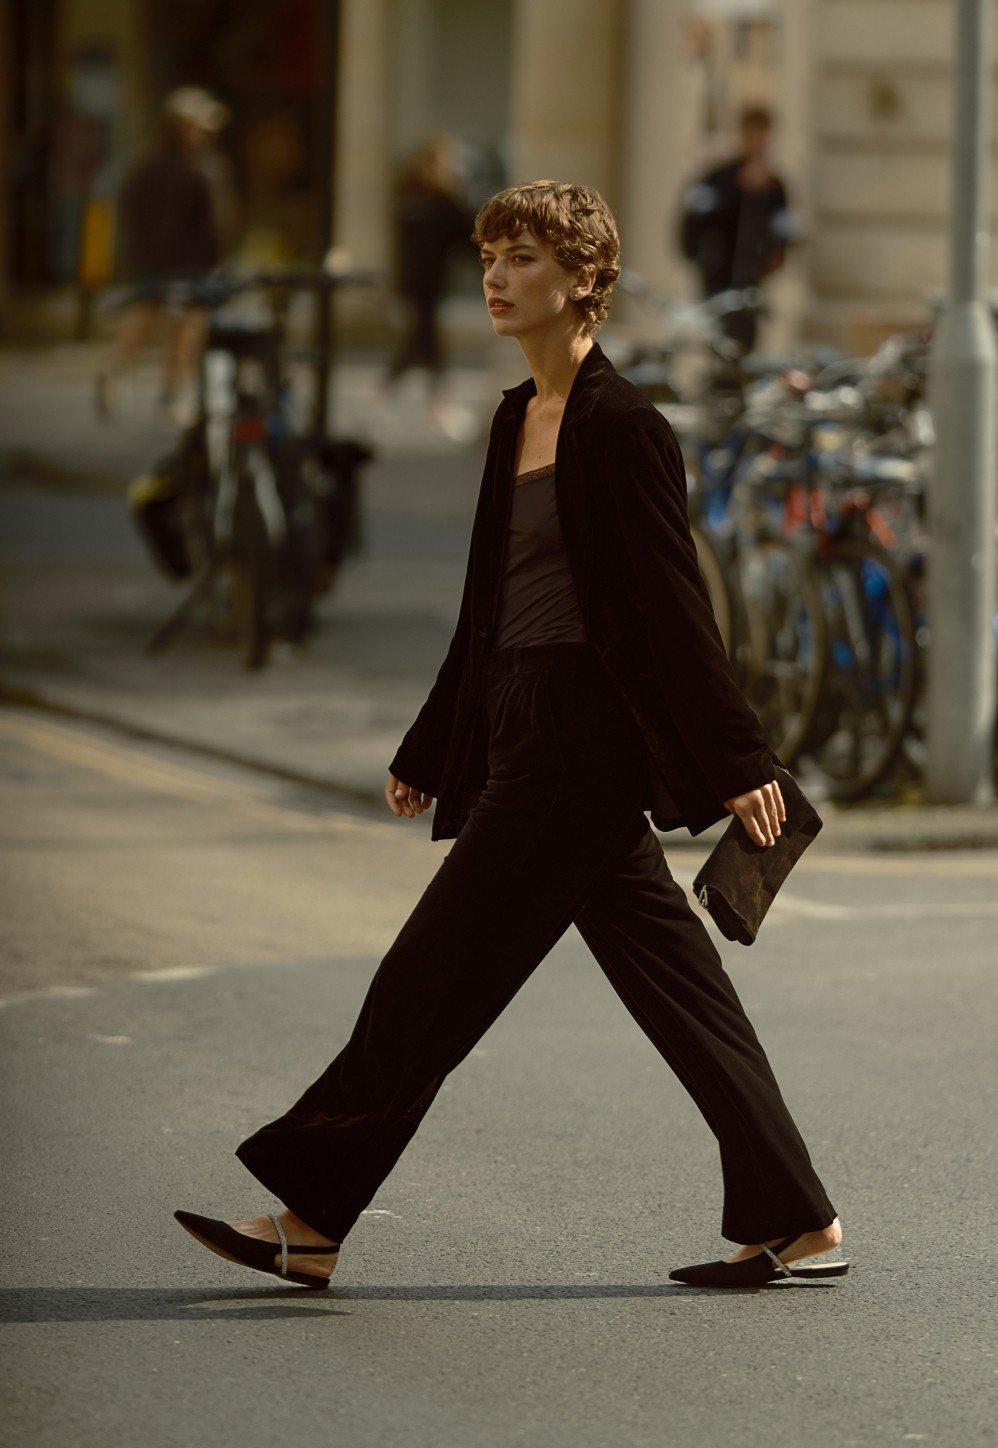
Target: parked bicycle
[[807, 482], [830, 646], [253, 511]]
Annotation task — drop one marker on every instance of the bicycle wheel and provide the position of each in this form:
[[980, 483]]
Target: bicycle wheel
[[781, 642], [871, 678]]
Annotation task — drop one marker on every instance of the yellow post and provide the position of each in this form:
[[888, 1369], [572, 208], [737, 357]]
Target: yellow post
[[96, 245]]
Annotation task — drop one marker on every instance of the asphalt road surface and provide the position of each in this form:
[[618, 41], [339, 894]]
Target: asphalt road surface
[[187, 945]]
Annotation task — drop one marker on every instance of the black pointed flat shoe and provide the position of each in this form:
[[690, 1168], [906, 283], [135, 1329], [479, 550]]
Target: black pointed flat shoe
[[224, 1240], [764, 1267]]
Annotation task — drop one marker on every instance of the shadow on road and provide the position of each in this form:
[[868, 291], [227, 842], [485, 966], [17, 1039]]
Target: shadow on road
[[165, 1304]]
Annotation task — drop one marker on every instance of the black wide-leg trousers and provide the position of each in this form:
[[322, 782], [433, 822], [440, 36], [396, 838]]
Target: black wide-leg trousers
[[557, 836]]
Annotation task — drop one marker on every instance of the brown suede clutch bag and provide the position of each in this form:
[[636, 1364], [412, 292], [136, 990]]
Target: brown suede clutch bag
[[739, 879]]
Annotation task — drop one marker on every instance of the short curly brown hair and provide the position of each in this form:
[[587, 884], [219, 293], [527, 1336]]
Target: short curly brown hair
[[574, 221]]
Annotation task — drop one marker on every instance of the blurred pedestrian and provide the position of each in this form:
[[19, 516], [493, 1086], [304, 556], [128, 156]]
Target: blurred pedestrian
[[431, 219], [205, 118], [585, 683], [735, 221], [177, 212]]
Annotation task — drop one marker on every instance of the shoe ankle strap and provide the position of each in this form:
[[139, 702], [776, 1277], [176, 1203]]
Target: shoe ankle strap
[[284, 1245], [771, 1254], [315, 1247]]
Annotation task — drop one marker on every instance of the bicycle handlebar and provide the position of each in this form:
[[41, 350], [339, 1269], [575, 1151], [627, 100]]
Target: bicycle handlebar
[[217, 288], [721, 304]]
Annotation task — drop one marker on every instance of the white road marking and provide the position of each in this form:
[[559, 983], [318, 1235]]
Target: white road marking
[[48, 992], [787, 903], [903, 910], [172, 972], [978, 863]]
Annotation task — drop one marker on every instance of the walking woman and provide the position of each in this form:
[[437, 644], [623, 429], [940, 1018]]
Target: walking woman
[[430, 217], [586, 682]]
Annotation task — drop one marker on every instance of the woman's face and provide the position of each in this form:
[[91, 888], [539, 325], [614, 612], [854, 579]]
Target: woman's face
[[537, 290]]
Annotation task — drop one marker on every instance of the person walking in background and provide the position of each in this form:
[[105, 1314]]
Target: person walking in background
[[735, 222], [586, 681], [430, 220], [178, 214], [205, 117]]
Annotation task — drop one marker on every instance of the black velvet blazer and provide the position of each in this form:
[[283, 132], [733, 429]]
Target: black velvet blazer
[[620, 486]]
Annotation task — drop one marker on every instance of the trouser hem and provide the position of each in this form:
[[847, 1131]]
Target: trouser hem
[[762, 1229], [294, 1196]]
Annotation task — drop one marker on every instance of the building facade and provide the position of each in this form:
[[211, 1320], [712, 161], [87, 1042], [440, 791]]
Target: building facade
[[630, 96]]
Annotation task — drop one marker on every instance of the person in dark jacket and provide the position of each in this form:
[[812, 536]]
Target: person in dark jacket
[[169, 230], [586, 681], [430, 221], [735, 222]]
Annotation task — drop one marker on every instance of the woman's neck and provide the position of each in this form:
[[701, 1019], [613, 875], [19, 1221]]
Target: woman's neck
[[554, 363]]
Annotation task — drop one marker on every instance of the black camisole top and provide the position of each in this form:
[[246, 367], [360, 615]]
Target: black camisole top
[[537, 599]]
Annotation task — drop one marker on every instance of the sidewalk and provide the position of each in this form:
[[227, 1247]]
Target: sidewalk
[[81, 600]]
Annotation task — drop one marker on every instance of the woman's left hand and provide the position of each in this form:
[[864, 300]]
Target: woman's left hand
[[760, 811]]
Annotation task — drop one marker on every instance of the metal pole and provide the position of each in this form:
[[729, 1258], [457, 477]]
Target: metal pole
[[326, 300], [961, 497]]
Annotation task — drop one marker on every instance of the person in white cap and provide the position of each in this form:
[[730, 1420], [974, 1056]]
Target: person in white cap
[[203, 117], [177, 217]]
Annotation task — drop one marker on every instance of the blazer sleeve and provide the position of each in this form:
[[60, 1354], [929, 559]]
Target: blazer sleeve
[[670, 601], [420, 758]]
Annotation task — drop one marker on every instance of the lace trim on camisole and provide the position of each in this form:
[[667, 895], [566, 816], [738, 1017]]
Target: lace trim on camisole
[[533, 473]]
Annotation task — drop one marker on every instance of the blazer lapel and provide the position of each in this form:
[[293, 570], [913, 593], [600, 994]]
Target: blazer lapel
[[569, 478], [501, 484]]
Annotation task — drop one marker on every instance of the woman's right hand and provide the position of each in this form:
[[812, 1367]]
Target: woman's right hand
[[404, 800], [761, 811]]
